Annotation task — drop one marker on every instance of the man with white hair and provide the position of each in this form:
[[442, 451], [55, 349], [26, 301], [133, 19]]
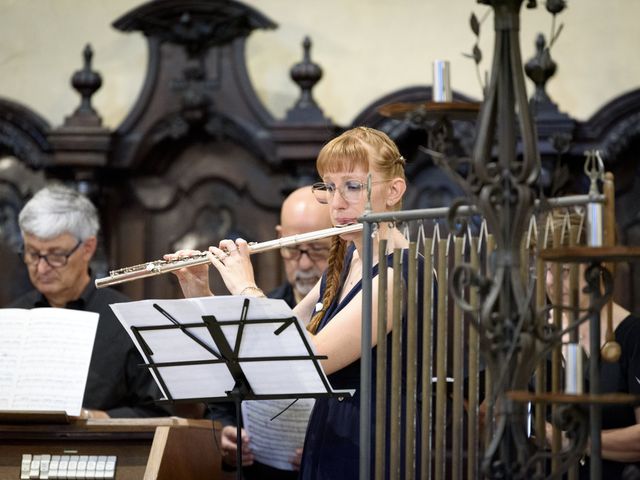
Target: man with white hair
[[59, 228]]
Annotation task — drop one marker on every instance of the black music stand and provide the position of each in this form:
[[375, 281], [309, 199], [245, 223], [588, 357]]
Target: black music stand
[[249, 357]]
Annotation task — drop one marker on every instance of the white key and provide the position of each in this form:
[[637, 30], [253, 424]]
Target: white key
[[25, 466], [73, 466]]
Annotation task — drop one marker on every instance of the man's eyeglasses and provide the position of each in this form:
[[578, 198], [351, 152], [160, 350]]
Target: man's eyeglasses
[[54, 260], [351, 190], [316, 253]]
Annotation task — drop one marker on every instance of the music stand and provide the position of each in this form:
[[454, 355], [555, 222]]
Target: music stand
[[240, 353]]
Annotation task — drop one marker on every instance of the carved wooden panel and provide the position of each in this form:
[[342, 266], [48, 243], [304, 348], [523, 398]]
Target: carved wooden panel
[[24, 151], [211, 191]]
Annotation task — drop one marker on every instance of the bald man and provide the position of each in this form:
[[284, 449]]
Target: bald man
[[304, 265]]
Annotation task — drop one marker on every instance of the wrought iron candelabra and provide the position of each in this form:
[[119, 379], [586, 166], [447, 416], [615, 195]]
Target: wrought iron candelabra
[[501, 183]]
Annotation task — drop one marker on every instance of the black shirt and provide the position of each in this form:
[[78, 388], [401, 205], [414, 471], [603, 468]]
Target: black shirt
[[117, 383], [622, 376]]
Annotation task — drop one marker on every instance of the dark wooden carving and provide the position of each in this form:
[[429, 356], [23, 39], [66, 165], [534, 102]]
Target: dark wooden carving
[[204, 159], [24, 151], [81, 144], [23, 134], [306, 74]]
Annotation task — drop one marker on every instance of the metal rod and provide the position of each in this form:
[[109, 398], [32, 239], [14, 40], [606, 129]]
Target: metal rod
[[595, 414], [574, 352], [556, 353], [488, 376], [411, 362], [458, 377], [365, 354], [381, 363], [472, 425], [442, 212], [541, 369], [427, 360], [396, 367], [609, 235], [441, 356]]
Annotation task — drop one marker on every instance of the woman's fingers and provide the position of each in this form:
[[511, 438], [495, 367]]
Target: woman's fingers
[[182, 254], [243, 246], [228, 246], [217, 256], [232, 260]]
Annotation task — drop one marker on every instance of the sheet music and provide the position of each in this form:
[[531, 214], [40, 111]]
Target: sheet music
[[44, 358], [211, 378], [273, 441]]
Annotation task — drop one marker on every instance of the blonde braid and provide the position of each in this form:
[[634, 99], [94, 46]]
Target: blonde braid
[[332, 287]]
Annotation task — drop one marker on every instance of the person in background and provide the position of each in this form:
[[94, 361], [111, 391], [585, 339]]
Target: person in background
[[620, 422], [347, 164], [304, 265], [59, 228]]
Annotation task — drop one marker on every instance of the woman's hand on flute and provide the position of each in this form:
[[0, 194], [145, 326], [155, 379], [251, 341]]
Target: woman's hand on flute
[[194, 280], [231, 259]]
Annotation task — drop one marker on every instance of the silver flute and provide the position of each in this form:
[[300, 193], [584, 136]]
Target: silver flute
[[158, 267]]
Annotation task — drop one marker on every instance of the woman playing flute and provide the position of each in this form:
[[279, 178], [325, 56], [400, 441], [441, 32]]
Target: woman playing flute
[[333, 308]]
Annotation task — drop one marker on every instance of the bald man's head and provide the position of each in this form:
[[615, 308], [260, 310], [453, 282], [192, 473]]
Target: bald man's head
[[302, 213], [304, 264]]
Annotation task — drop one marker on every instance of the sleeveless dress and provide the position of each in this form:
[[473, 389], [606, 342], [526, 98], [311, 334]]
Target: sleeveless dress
[[331, 449]]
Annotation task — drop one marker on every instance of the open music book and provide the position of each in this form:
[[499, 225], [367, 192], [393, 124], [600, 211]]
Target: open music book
[[44, 359]]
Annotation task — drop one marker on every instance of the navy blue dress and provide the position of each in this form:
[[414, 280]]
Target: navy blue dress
[[331, 449]]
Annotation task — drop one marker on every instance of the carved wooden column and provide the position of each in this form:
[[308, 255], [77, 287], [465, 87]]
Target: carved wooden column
[[81, 144], [305, 129]]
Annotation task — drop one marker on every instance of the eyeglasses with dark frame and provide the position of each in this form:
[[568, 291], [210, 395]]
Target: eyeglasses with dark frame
[[54, 260], [351, 190], [316, 253]]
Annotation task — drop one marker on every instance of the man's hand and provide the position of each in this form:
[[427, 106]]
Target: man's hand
[[229, 448], [296, 461], [85, 414]]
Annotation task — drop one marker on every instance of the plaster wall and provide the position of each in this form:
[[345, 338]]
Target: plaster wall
[[367, 48]]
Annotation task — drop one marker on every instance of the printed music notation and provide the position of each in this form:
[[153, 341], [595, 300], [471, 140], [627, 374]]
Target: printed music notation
[[276, 428], [44, 358]]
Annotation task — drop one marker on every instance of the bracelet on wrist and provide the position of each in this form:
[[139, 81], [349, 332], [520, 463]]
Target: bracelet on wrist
[[252, 291]]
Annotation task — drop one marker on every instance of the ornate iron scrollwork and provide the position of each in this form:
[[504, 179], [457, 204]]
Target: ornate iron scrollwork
[[502, 184]]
